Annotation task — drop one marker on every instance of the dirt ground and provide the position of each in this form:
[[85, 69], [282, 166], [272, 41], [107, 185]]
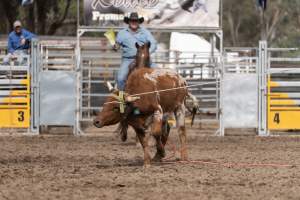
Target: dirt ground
[[100, 166]]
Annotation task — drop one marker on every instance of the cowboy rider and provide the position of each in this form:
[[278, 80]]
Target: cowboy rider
[[127, 39]]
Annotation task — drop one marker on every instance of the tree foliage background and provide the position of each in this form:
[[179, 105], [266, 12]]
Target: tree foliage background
[[244, 24], [44, 17]]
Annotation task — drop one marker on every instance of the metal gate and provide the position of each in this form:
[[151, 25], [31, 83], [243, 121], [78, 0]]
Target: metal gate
[[261, 89], [54, 84], [240, 88], [280, 89], [15, 93], [98, 64], [283, 91]]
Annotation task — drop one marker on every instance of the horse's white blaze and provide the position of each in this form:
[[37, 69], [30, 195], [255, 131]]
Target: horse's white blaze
[[150, 78]]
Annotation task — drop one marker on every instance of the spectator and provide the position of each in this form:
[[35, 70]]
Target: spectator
[[18, 43]]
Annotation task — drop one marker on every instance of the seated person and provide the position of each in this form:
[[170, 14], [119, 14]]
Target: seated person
[[18, 43]]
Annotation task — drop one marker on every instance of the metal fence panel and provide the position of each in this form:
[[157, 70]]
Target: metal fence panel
[[58, 98], [240, 101]]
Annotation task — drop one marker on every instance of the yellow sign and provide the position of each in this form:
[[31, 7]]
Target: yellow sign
[[15, 107], [283, 112], [284, 120]]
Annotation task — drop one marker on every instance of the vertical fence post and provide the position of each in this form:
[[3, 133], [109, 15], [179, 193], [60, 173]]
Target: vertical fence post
[[220, 86], [77, 125], [263, 92], [34, 90]]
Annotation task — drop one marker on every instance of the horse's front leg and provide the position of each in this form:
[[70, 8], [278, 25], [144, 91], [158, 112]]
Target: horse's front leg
[[143, 138], [160, 149], [180, 119]]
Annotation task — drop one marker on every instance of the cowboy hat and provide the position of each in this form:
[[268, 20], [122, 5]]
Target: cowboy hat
[[134, 17]]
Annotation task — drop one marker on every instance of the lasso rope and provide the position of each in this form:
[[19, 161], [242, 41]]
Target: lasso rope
[[165, 90], [178, 88]]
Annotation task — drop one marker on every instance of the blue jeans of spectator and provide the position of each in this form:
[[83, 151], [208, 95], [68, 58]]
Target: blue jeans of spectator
[[123, 72], [19, 54]]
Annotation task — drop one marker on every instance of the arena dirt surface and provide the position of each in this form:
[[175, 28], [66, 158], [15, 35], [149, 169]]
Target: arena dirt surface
[[99, 166]]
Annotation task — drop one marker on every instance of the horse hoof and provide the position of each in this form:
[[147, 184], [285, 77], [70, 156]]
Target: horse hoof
[[158, 157], [124, 138], [184, 155], [184, 158], [146, 166], [138, 144]]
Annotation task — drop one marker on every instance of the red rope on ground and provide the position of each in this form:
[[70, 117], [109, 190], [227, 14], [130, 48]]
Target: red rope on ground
[[174, 150], [231, 164]]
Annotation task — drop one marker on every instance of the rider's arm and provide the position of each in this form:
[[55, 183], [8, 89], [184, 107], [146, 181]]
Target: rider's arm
[[118, 41], [152, 40], [120, 38], [28, 35]]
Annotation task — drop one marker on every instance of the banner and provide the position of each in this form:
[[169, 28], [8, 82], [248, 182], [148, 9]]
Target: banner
[[157, 13]]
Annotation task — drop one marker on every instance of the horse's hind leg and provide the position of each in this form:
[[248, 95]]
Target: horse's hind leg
[[180, 119], [166, 128], [162, 140], [160, 150], [157, 133]]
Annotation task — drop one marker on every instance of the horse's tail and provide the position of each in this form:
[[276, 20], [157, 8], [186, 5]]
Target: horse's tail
[[192, 104]]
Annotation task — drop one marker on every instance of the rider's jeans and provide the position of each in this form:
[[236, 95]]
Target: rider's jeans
[[20, 54], [123, 72]]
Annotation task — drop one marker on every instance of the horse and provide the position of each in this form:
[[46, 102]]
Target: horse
[[155, 93]]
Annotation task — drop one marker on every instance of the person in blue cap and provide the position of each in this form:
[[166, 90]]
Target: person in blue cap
[[127, 39], [18, 43]]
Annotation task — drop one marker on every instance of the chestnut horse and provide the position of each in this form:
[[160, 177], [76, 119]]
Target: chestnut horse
[[155, 93]]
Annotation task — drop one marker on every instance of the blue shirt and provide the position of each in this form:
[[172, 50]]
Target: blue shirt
[[14, 40], [127, 40]]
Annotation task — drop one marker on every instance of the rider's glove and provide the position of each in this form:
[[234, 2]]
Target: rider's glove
[[116, 47]]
